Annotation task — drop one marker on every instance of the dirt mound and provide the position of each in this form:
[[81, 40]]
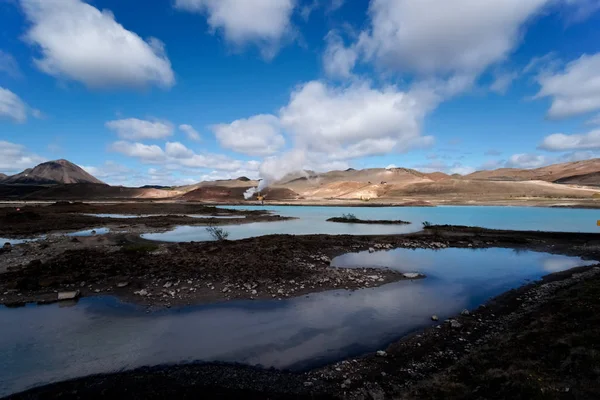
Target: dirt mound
[[591, 179], [52, 172], [474, 189], [438, 176]]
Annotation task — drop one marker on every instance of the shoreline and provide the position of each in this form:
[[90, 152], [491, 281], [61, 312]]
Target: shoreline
[[575, 203], [173, 274]]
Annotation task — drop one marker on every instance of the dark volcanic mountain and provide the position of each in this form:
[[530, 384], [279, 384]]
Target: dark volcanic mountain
[[52, 172], [3, 177]]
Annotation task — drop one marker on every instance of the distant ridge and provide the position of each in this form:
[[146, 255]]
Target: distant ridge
[[52, 172]]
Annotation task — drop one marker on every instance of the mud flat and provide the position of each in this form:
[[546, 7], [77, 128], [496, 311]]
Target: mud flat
[[346, 220], [65, 216]]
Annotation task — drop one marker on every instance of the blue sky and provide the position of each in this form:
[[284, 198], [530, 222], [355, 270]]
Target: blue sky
[[178, 91]]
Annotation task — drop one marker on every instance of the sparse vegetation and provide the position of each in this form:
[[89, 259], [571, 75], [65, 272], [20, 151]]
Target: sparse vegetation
[[349, 216], [217, 233]]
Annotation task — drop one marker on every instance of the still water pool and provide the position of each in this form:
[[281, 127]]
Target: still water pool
[[313, 220], [41, 344]]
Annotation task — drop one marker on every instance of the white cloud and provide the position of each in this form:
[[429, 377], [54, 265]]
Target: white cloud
[[391, 166], [338, 60], [8, 65], [562, 142], [356, 119], [12, 107], [263, 22], [110, 172], [259, 135], [138, 129], [527, 161], [79, 42], [502, 82], [440, 166], [593, 121], [178, 150], [574, 90], [14, 158], [146, 153], [191, 133], [176, 155], [431, 37]]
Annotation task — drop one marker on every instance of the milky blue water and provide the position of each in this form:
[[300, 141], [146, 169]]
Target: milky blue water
[[312, 220], [50, 343]]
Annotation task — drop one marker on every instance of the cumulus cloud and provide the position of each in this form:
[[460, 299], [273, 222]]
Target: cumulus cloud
[[138, 129], [357, 119], [81, 43], [110, 172], [432, 37], [146, 153], [575, 90], [14, 158], [178, 150], [338, 60], [191, 133], [178, 155], [562, 142], [527, 161], [259, 135], [8, 65], [12, 107], [262, 22]]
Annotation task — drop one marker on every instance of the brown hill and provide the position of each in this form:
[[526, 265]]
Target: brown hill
[[591, 179], [3, 177], [351, 183], [53, 172], [550, 173], [86, 191], [224, 193]]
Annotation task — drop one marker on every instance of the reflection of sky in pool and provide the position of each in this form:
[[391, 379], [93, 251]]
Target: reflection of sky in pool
[[89, 232], [18, 241], [49, 343]]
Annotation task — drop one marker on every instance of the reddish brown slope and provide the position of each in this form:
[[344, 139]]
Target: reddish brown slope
[[52, 172], [551, 173]]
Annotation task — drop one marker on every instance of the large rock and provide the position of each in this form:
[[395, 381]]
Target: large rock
[[68, 295]]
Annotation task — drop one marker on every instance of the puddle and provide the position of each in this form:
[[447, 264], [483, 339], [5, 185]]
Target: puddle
[[46, 344], [19, 241], [90, 232]]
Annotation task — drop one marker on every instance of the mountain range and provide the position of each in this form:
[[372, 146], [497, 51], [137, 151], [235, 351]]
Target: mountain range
[[62, 179]]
